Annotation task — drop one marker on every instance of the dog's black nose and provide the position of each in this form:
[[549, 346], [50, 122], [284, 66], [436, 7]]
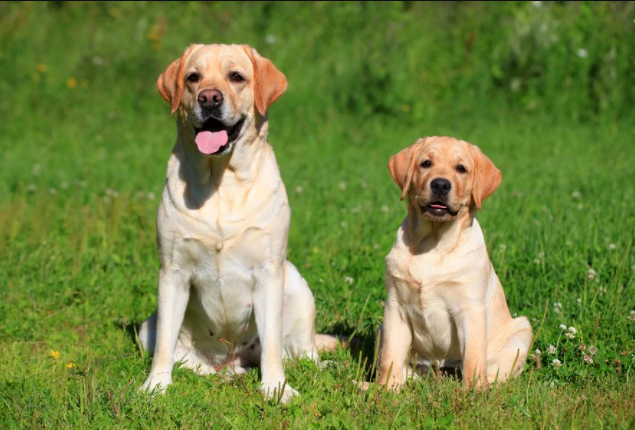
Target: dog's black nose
[[210, 99], [440, 186]]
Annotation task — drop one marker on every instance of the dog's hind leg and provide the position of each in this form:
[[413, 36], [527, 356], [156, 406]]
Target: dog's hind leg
[[148, 333], [298, 317], [513, 353]]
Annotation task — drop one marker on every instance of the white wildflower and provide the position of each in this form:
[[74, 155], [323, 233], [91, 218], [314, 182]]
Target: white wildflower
[[612, 247], [37, 169], [384, 209], [537, 260], [52, 191], [541, 255], [299, 189], [31, 188], [583, 53], [587, 358], [551, 350], [342, 185], [502, 247], [64, 185], [343, 224], [111, 193], [563, 327], [593, 350], [576, 195], [271, 39], [98, 61], [349, 280], [376, 246], [364, 184], [592, 274], [580, 206], [151, 196], [556, 363], [537, 4], [579, 300]]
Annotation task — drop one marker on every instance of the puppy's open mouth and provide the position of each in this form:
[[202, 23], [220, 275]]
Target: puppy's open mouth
[[214, 137], [437, 209]]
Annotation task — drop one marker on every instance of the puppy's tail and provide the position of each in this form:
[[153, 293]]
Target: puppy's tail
[[327, 342]]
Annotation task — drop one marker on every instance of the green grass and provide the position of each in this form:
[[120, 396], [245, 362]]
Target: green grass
[[81, 163]]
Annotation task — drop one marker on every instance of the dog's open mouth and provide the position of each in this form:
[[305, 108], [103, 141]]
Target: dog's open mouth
[[214, 137], [437, 209]]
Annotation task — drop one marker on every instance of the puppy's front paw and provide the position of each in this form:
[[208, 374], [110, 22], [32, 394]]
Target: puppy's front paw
[[156, 384], [280, 392]]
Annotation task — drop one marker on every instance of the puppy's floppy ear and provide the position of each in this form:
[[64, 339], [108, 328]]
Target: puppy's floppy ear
[[269, 82], [402, 166], [487, 177], [170, 83]]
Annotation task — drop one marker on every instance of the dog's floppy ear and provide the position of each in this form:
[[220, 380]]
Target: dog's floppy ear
[[487, 177], [170, 84], [402, 166], [269, 82]]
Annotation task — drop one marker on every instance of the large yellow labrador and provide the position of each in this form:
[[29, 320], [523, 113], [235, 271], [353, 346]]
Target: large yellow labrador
[[445, 302], [227, 296]]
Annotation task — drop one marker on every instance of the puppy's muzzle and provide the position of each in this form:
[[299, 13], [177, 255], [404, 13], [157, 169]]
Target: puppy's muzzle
[[440, 186]]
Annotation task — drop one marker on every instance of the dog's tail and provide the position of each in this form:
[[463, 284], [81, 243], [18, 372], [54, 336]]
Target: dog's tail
[[327, 342]]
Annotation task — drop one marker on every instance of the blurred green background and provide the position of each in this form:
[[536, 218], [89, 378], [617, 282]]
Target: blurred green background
[[546, 89]]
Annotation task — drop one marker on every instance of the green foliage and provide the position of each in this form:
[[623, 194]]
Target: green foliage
[[85, 139]]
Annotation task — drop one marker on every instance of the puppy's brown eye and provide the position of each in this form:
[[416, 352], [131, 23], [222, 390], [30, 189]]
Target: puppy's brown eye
[[193, 77], [461, 168], [236, 77], [426, 164]]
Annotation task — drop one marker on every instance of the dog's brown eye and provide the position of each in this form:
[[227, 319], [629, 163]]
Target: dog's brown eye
[[236, 77], [193, 77], [461, 169], [426, 164]]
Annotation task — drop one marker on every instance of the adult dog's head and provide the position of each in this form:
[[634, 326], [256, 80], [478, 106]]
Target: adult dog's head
[[443, 177], [220, 92]]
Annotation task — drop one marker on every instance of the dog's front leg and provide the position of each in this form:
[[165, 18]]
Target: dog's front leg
[[474, 345], [174, 293], [395, 340], [268, 301]]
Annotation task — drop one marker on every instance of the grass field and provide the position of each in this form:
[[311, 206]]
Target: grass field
[[85, 140]]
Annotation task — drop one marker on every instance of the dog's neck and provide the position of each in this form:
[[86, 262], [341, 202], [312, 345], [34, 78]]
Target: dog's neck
[[443, 237], [202, 171]]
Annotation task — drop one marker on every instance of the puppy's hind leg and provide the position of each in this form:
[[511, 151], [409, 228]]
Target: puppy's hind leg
[[513, 353]]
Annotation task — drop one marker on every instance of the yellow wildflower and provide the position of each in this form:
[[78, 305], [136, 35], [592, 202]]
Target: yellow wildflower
[[55, 354], [71, 365], [71, 83]]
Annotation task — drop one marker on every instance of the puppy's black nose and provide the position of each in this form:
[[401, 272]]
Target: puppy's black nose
[[210, 99], [440, 186]]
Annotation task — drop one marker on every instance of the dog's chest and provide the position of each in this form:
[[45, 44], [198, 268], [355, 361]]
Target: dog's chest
[[223, 281], [431, 297]]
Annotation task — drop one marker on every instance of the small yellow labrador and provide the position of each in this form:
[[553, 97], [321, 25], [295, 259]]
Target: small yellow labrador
[[445, 302], [227, 296]]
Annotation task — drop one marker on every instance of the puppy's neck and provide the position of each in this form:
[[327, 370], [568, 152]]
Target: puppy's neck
[[443, 237], [198, 169]]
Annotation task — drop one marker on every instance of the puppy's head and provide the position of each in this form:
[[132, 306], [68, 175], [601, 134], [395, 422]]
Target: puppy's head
[[443, 177], [219, 91]]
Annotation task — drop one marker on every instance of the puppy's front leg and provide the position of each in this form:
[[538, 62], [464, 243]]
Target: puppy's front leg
[[268, 301], [474, 343], [174, 293], [396, 339]]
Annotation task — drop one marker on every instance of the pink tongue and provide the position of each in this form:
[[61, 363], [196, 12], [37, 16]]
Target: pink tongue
[[209, 142], [438, 206]]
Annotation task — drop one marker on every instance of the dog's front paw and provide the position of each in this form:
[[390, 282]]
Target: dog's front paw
[[156, 384], [280, 392]]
